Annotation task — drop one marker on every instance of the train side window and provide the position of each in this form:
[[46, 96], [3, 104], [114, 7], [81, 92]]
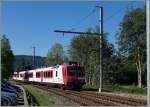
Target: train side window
[[32, 75], [21, 75], [50, 74], [46, 74], [56, 74], [37, 74]]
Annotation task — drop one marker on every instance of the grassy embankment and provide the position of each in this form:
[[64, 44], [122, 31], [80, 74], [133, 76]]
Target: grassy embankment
[[131, 89], [39, 98], [43, 98]]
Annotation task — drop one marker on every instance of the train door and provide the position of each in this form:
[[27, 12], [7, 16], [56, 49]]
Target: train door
[[55, 75], [65, 77], [26, 76]]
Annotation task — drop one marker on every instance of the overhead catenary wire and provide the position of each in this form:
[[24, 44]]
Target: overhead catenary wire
[[83, 19], [117, 12], [106, 19]]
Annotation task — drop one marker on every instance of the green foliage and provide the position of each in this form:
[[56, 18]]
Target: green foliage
[[24, 65], [85, 50], [129, 89], [45, 98], [132, 42], [7, 58], [119, 66], [55, 55], [132, 32], [39, 97]]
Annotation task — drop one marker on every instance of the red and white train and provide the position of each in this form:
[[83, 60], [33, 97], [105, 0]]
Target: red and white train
[[61, 75]]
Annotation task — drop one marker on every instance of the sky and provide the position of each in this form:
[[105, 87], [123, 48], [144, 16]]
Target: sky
[[28, 24]]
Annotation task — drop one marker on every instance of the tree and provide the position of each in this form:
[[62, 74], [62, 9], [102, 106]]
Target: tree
[[7, 58], [55, 55], [132, 39], [24, 65], [85, 50]]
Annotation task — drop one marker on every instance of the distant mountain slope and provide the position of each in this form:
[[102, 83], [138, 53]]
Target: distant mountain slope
[[39, 61]]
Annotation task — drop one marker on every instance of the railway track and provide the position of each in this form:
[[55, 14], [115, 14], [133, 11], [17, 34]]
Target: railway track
[[118, 99], [86, 98]]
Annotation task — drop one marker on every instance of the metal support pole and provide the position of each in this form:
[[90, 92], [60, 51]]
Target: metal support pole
[[101, 50], [88, 33], [148, 51], [101, 47]]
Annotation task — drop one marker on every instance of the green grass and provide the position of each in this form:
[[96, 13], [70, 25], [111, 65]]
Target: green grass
[[39, 97], [89, 87], [131, 89], [44, 98], [128, 89]]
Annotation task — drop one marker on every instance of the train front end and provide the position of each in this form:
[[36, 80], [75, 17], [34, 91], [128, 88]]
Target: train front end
[[74, 76]]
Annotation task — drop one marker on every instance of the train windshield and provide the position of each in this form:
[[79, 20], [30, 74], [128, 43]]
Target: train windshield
[[75, 72]]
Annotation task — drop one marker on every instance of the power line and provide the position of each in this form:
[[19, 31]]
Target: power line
[[116, 13], [94, 10], [83, 19]]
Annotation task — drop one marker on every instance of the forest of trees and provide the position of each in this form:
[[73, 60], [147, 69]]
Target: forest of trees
[[126, 65], [132, 41]]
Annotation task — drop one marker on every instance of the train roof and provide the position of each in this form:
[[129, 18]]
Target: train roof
[[53, 67]]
